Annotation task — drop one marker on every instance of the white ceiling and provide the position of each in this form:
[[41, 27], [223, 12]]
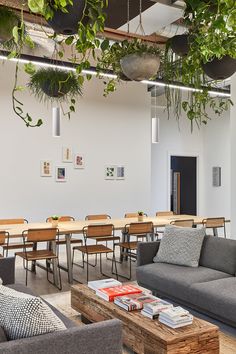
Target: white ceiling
[[155, 18]]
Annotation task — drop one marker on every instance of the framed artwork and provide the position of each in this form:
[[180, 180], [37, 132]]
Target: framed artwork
[[45, 168], [110, 172], [120, 172], [61, 174], [79, 161], [67, 154]]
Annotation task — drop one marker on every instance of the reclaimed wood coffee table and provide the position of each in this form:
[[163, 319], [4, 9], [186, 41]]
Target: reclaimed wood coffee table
[[145, 336]]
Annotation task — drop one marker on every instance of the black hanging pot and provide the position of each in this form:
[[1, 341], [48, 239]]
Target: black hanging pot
[[180, 44], [67, 23], [220, 69], [54, 91]]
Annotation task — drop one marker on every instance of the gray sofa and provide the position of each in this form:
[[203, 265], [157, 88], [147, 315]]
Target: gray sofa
[[100, 338], [210, 288]]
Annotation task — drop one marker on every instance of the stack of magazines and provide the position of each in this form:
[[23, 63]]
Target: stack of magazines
[[176, 317], [134, 301], [154, 308], [109, 294]]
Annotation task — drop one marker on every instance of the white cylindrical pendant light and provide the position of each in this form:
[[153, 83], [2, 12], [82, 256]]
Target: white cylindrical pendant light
[[56, 122], [155, 130]]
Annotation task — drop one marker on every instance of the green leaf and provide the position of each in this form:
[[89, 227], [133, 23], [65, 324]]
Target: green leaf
[[36, 6], [19, 88], [28, 41], [30, 68], [15, 34], [72, 108], [81, 80], [69, 40]]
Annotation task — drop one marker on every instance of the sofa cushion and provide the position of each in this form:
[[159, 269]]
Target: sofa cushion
[[181, 246], [217, 297], [219, 253], [24, 315], [174, 280]]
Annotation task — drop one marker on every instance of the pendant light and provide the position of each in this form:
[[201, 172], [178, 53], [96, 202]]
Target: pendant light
[[56, 122], [155, 120]]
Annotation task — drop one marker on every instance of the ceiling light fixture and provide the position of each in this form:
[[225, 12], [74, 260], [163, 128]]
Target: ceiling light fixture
[[113, 76]]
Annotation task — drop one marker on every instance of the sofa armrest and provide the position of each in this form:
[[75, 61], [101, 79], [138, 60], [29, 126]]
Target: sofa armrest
[[99, 338], [7, 270], [146, 252]]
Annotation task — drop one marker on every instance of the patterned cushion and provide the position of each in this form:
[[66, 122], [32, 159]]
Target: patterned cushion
[[3, 337], [181, 246], [23, 315]]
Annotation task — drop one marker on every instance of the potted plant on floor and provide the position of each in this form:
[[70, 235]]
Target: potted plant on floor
[[54, 84]]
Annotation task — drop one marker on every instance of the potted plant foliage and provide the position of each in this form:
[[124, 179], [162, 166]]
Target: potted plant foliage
[[55, 84], [128, 60], [54, 220], [140, 215], [8, 21]]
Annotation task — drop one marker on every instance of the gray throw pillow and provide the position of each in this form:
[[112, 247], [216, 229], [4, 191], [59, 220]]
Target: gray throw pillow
[[24, 315], [181, 246]]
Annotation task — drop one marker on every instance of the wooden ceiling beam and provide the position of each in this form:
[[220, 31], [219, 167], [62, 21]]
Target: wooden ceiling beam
[[109, 33]]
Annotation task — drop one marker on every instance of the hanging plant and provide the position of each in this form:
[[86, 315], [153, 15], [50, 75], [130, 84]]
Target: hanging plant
[[135, 60], [49, 84], [212, 31], [180, 44], [88, 20], [220, 69], [8, 21]]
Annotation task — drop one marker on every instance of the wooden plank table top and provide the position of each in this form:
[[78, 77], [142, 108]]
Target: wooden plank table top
[[144, 335], [68, 227]]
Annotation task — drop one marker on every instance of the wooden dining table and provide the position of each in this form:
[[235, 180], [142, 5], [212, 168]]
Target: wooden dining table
[[68, 228]]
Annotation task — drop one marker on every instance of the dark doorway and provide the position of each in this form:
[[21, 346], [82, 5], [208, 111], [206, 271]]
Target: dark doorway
[[184, 185]]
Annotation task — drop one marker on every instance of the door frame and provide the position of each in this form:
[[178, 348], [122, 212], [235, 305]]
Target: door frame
[[184, 154]]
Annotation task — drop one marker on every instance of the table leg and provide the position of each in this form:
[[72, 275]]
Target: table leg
[[215, 231], [69, 258], [55, 266], [122, 256], [33, 265]]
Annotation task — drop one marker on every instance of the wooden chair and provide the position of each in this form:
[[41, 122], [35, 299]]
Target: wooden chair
[[63, 241], [128, 247], [135, 215], [96, 232], [162, 213], [13, 245], [4, 241], [50, 254], [183, 223], [97, 217], [114, 238], [215, 224]]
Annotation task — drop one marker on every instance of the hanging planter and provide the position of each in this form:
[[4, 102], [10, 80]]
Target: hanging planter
[[140, 67], [53, 84], [66, 23], [8, 20], [180, 44], [220, 69]]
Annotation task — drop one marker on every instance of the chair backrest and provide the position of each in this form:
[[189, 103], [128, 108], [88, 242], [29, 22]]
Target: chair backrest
[[164, 213], [133, 215], [183, 223], [97, 217], [3, 236], [136, 228], [96, 231], [214, 222], [13, 221], [62, 218], [40, 235]]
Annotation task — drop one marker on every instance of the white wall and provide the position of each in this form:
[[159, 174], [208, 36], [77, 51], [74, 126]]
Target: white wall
[[212, 146], [113, 130]]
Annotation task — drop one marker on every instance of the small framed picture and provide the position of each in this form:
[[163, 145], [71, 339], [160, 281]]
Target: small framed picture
[[45, 168], [79, 161], [120, 172], [67, 154], [110, 172], [61, 174]]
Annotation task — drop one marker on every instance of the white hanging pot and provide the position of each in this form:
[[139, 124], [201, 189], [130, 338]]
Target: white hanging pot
[[140, 67]]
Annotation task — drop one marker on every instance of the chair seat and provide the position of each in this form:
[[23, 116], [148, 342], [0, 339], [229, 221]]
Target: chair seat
[[73, 240], [108, 238], [37, 255], [12, 246], [130, 245], [93, 249]]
